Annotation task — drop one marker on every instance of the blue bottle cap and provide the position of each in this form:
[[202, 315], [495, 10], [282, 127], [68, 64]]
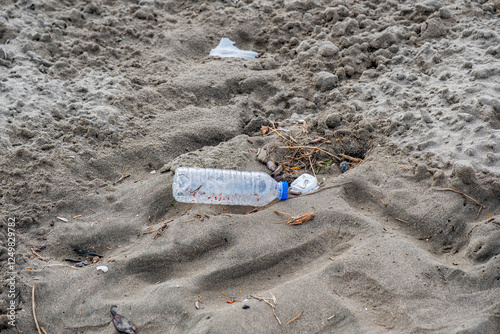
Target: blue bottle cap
[[284, 190]]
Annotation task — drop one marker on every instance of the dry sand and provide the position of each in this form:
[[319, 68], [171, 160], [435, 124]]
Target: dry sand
[[91, 88]]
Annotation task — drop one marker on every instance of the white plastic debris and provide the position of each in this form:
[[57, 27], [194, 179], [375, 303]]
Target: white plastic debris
[[63, 219], [305, 183], [103, 268], [227, 49]]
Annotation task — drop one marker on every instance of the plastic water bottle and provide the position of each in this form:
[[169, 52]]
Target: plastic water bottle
[[224, 186]]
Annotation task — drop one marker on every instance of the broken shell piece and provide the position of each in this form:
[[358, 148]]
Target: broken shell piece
[[122, 324], [103, 268]]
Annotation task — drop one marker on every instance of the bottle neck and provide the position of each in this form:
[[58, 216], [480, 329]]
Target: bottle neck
[[282, 190]]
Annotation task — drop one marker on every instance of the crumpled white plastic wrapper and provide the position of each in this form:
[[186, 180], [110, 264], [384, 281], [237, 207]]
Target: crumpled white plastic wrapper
[[227, 49], [305, 183]]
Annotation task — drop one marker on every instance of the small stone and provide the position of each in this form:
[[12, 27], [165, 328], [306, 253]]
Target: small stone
[[122, 324], [245, 307], [326, 80], [344, 166], [328, 49]]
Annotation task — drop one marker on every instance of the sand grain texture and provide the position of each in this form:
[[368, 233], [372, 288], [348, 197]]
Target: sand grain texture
[[91, 91]]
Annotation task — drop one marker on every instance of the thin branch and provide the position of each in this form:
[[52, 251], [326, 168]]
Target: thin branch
[[296, 318], [34, 309], [461, 193]]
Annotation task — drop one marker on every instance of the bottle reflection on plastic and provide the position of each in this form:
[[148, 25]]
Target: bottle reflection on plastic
[[224, 186]]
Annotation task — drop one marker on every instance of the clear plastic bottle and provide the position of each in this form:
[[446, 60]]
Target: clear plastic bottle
[[224, 186]]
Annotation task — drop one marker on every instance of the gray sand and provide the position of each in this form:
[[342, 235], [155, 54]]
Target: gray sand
[[93, 90]]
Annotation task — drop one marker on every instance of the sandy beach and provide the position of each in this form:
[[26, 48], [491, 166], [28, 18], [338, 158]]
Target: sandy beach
[[101, 101]]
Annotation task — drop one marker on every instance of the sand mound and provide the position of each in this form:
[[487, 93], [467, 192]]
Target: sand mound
[[101, 101]]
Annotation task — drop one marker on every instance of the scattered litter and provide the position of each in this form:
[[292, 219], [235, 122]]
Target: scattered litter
[[227, 49], [192, 185], [81, 251], [153, 172], [305, 183], [245, 307], [344, 166], [103, 268], [122, 324], [63, 219], [197, 304], [77, 216]]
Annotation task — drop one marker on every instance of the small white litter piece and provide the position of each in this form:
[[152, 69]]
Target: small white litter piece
[[103, 268], [305, 183], [226, 49], [63, 219]]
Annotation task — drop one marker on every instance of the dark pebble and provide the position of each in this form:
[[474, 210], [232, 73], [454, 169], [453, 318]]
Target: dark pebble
[[245, 307], [344, 166]]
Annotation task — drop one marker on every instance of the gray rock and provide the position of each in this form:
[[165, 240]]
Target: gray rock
[[326, 81], [328, 49]]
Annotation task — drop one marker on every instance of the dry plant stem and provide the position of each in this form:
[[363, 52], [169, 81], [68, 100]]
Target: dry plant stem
[[330, 318], [291, 138], [301, 219], [283, 213], [61, 265], [123, 177], [314, 148], [401, 220], [312, 167], [461, 193], [162, 229], [351, 159], [44, 236], [37, 255], [34, 309], [268, 303], [43, 330], [296, 318]]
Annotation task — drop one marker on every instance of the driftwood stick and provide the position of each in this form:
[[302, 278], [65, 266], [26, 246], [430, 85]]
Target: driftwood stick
[[351, 159], [34, 309]]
